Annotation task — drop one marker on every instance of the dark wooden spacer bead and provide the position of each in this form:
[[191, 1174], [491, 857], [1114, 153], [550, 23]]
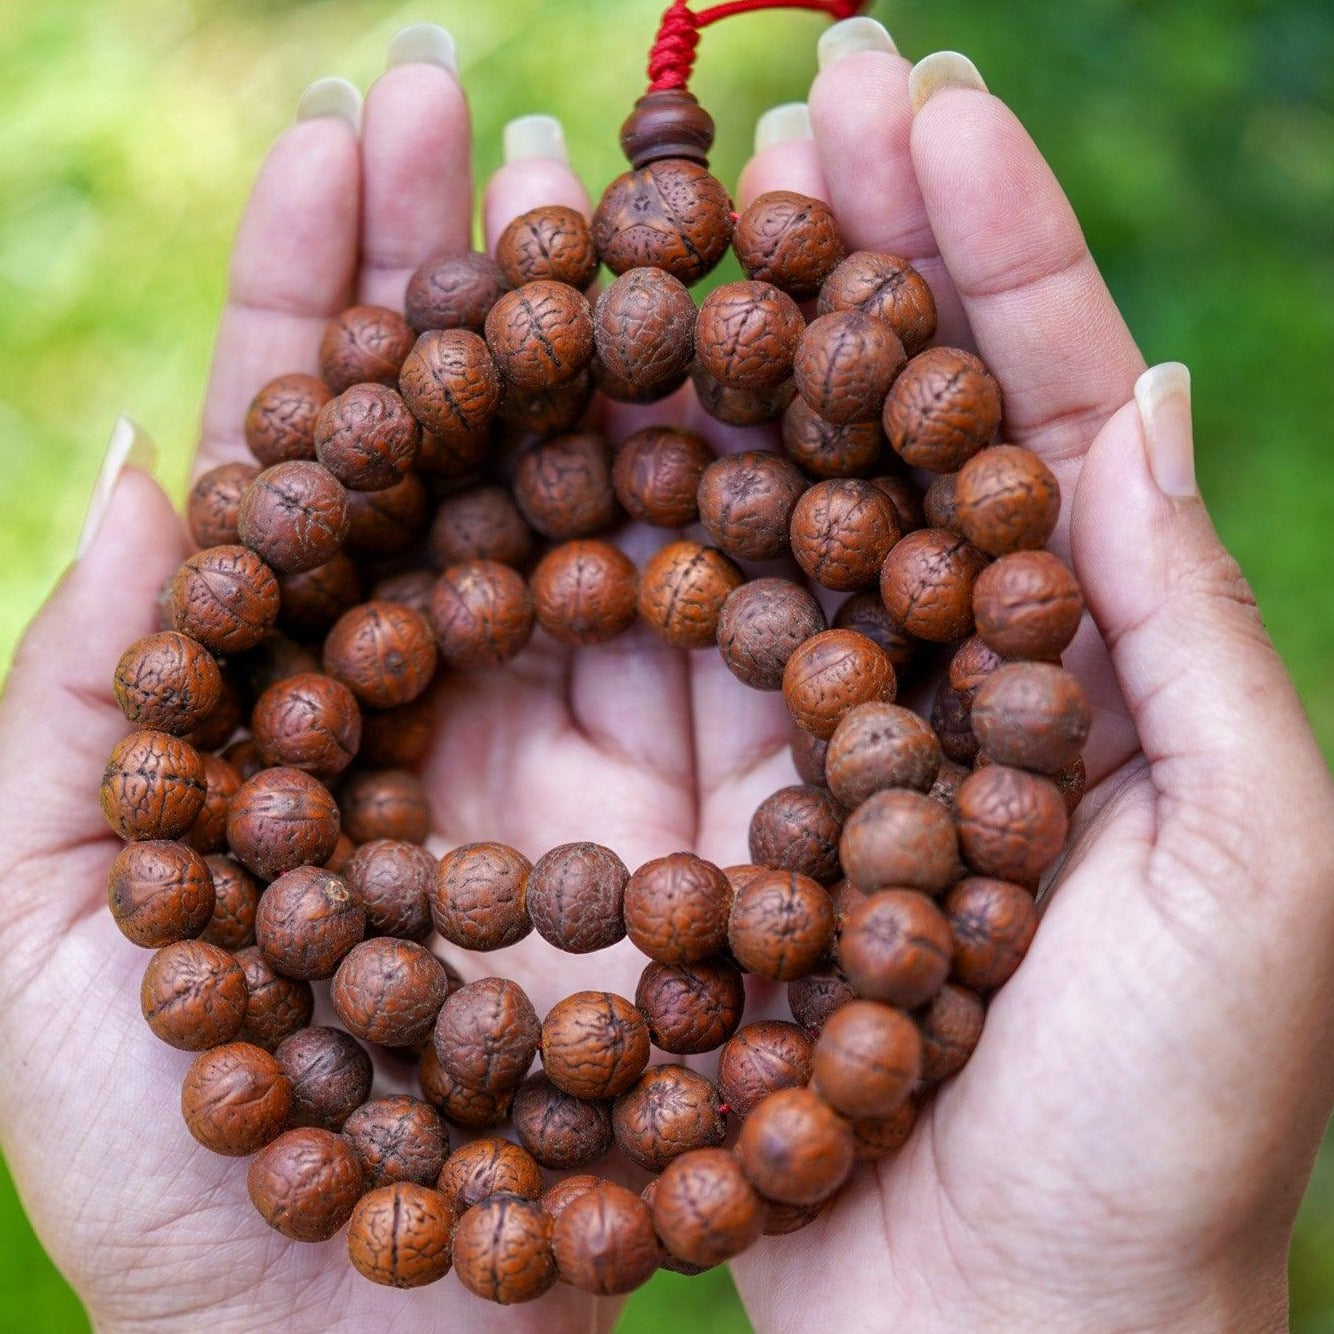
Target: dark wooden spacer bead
[[668, 123]]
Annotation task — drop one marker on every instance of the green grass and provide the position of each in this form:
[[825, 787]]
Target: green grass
[[1196, 138]]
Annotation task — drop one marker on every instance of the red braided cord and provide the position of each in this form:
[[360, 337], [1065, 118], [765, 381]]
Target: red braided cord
[[673, 54]]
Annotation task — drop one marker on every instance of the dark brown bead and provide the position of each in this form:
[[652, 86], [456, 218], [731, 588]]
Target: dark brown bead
[[281, 819], [781, 1219], [382, 652], [823, 449], [644, 331], [214, 504], [454, 459], [306, 1183], [691, 1007], [584, 592], [401, 1235], [740, 407], [389, 991], [308, 919], [906, 497], [153, 786], [480, 897], [841, 532], [943, 408], [951, 1027], [879, 746], [293, 516], [831, 673], [682, 588], [1070, 783], [159, 892], [341, 855], [193, 995], [867, 1059], [594, 1044], [888, 287], [1012, 824], [746, 502], [761, 625], [394, 882], [669, 1111], [1008, 500], [877, 1137], [604, 1240], [808, 757], [236, 897], [1027, 605], [547, 411], [656, 475], [277, 1006], [235, 1099], [781, 926], [486, 1167], [948, 782], [676, 908], [385, 803], [453, 292], [867, 615], [797, 829], [666, 1260], [1031, 715], [364, 344], [487, 1034], [953, 725], [993, 923], [473, 1109], [399, 738], [746, 334], [540, 335], [450, 382], [812, 999], [552, 242], [575, 897], [558, 1129], [208, 833], [900, 838], [619, 390], [895, 947], [330, 1074], [971, 663], [562, 486], [502, 1250], [385, 523], [398, 1139], [308, 722], [795, 1149], [927, 583], [558, 1198], [789, 240], [670, 214], [482, 523], [704, 1209], [225, 597], [313, 600], [844, 365], [367, 437], [226, 716], [760, 1059], [280, 423], [482, 614], [277, 657], [940, 503], [667, 123]]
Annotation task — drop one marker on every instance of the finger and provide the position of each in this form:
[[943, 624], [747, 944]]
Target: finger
[[1040, 314], [416, 164], [536, 171], [292, 265], [862, 120], [785, 157]]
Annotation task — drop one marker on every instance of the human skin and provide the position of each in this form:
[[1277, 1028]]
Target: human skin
[[1128, 1145]]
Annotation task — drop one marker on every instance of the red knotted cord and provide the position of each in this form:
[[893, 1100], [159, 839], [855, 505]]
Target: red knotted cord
[[673, 54]]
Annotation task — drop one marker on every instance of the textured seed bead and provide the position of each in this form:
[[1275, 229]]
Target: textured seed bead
[[364, 344], [823, 449], [952, 724], [193, 995], [575, 897], [761, 625], [450, 383], [833, 672], [740, 407], [549, 242], [389, 991], [308, 722], [812, 999], [559, 1197], [669, 1111], [604, 1240], [676, 908], [886, 286], [682, 589], [482, 614], [277, 1006], [453, 291], [481, 523], [330, 1073], [895, 947], [841, 532], [704, 1209], [940, 503], [1012, 824], [844, 364], [235, 1099], [471, 1109], [294, 516], [400, 1235], [993, 922], [900, 838], [594, 1044], [280, 422], [797, 829], [760, 1059], [562, 486], [394, 882], [399, 738], [385, 803], [398, 1139], [382, 652], [1031, 715], [1027, 605], [455, 457], [584, 592], [547, 411], [928, 584], [222, 781], [789, 240], [168, 682], [746, 334], [153, 786], [487, 1034], [1008, 500], [313, 600], [480, 897], [306, 1183], [214, 503], [540, 335], [281, 819], [656, 475], [943, 408], [746, 502], [160, 892], [560, 1131], [644, 331], [867, 615], [502, 1250], [691, 1007], [781, 926], [794, 1148], [307, 921], [867, 1059], [225, 597], [877, 1137], [808, 757], [951, 1027], [367, 437], [878, 746], [486, 1167]]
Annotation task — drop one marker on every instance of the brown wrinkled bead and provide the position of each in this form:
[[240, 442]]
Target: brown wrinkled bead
[[208, 833], [401, 1235], [193, 995], [482, 523], [551, 242], [906, 497], [450, 382], [473, 1109], [1027, 605], [993, 922], [794, 1149], [1012, 824], [214, 504], [823, 449], [479, 900], [235, 899], [656, 475], [895, 947], [878, 746], [760, 1059], [691, 1007], [951, 1028], [867, 615], [841, 532], [1031, 715], [277, 657], [594, 1044], [943, 408], [399, 738], [887, 287], [313, 600], [781, 1219], [306, 1183], [867, 1059], [280, 422], [666, 123], [808, 757], [604, 1240], [970, 665], [307, 921], [899, 837], [746, 334], [341, 855], [797, 829], [1070, 783], [547, 411], [781, 926], [453, 292], [308, 722], [575, 897], [669, 1111], [398, 1139], [644, 331], [382, 652], [948, 782], [666, 1260], [682, 588], [704, 1209], [502, 1250], [277, 1006], [844, 365], [761, 625], [293, 516], [789, 240], [409, 588], [367, 437], [281, 819], [168, 682], [831, 673], [393, 881], [385, 523], [619, 390], [940, 503], [389, 991], [385, 803], [1007, 499], [668, 215], [740, 407], [562, 486], [486, 1167], [330, 1074], [482, 614], [225, 597], [362, 345], [235, 1099], [487, 1034], [876, 1137], [540, 335], [558, 1129], [740, 876], [568, 1189], [584, 592], [812, 999], [456, 458], [160, 892], [928, 584], [953, 725], [746, 502], [153, 786], [676, 908]]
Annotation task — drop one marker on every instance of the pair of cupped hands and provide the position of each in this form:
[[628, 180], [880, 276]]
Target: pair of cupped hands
[[1128, 1146]]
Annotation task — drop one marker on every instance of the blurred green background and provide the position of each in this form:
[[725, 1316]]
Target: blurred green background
[[1196, 139]]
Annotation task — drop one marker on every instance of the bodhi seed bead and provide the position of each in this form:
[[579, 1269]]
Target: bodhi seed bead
[[669, 1111], [940, 505], [761, 1058], [399, 738], [308, 919], [385, 523], [364, 343], [604, 1240], [813, 998], [277, 1006], [479, 900], [841, 532], [656, 475], [568, 1189], [831, 673], [153, 786], [789, 240], [691, 1007], [682, 589], [877, 1137], [367, 437], [808, 757], [942, 409], [888, 287], [235, 1099], [160, 892], [193, 995], [394, 882], [895, 947], [294, 516], [214, 503], [1031, 715], [1012, 824], [481, 523], [644, 330], [548, 242], [993, 922], [797, 829], [502, 1250], [584, 592], [899, 837], [761, 625], [927, 583], [482, 614], [389, 991], [878, 746], [822, 449], [576, 895], [222, 781], [225, 597], [746, 503], [541, 335], [951, 1027], [453, 292], [1027, 605], [383, 653], [450, 383], [952, 724], [400, 1235], [562, 486], [281, 819], [558, 1129], [486, 1167], [398, 1139], [844, 365], [330, 1074], [472, 1109], [487, 1034], [867, 1059], [676, 908], [306, 1183], [746, 334], [385, 803], [781, 926], [1008, 500], [167, 682], [280, 422], [740, 407], [595, 1044], [704, 1209], [308, 722], [794, 1148], [312, 601]]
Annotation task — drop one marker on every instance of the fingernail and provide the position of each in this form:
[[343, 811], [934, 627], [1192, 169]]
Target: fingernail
[[423, 44], [130, 446], [534, 136], [1162, 394], [782, 124], [941, 69], [851, 36], [331, 97]]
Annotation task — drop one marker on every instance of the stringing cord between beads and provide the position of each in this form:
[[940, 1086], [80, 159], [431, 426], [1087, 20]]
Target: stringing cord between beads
[[672, 56]]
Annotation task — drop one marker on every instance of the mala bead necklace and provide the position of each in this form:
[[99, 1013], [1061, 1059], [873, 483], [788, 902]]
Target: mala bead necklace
[[425, 506]]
